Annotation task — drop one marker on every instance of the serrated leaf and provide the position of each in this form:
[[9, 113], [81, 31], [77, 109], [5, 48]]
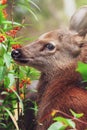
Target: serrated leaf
[[57, 126], [76, 115]]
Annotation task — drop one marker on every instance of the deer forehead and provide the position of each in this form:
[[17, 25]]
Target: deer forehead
[[59, 38], [57, 35], [49, 35]]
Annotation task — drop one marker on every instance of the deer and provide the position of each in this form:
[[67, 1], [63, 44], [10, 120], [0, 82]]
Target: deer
[[56, 55]]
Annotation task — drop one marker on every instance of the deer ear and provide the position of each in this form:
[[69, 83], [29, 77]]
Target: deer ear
[[77, 44], [78, 22], [80, 40], [75, 51]]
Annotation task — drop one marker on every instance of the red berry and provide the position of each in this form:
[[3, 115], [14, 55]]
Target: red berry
[[21, 85], [16, 46], [3, 2]]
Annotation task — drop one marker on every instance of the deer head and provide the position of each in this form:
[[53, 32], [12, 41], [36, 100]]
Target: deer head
[[58, 49]]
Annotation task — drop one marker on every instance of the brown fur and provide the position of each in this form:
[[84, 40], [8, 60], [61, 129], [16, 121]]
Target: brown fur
[[60, 86]]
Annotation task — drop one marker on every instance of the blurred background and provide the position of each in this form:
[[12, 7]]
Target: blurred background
[[47, 15]]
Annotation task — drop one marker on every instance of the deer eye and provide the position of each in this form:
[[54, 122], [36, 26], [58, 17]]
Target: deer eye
[[50, 46]]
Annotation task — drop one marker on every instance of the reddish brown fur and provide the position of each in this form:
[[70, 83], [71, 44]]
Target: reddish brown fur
[[63, 94]]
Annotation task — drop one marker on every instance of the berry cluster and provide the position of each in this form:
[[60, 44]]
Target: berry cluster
[[10, 90], [22, 96], [13, 32], [24, 82], [16, 46], [2, 38]]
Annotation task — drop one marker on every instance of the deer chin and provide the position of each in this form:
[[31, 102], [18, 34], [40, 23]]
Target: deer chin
[[23, 61]]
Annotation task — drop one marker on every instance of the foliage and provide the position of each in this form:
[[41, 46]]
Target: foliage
[[82, 68], [81, 3], [14, 79], [61, 123]]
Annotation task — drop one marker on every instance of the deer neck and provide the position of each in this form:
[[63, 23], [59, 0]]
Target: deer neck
[[67, 75]]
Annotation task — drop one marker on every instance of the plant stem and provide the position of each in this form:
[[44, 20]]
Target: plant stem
[[12, 8], [17, 87]]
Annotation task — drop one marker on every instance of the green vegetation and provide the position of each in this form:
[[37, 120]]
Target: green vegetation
[[14, 79]]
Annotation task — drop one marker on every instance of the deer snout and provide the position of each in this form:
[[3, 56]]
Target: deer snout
[[16, 54]]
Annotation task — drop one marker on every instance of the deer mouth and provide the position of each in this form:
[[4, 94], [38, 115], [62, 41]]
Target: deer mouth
[[24, 61], [21, 60]]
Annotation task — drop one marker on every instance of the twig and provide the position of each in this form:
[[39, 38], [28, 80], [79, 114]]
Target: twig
[[64, 114], [12, 8]]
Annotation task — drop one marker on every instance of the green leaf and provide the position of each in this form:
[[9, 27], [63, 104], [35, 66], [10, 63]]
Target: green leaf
[[20, 100], [32, 14], [11, 79], [2, 49], [12, 117], [82, 68], [7, 59], [1, 61], [6, 81], [1, 16], [4, 93], [57, 126], [67, 122], [2, 72], [1, 101], [10, 22], [70, 123], [28, 8], [3, 125], [75, 114], [33, 3]]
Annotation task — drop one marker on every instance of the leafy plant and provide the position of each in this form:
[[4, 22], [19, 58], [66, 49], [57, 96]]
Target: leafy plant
[[61, 123], [82, 68], [14, 79]]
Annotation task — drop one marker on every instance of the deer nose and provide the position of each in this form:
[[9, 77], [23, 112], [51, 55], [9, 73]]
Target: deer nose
[[16, 54]]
